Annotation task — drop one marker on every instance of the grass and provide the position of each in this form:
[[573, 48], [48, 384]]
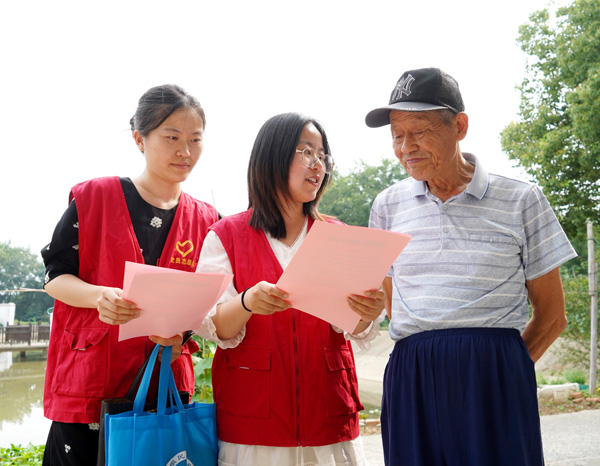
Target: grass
[[576, 376], [561, 376]]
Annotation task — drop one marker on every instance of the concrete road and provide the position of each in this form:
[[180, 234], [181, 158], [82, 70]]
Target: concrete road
[[569, 439]]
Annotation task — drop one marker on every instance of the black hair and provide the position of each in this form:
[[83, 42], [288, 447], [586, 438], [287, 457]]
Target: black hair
[[269, 167], [158, 103]]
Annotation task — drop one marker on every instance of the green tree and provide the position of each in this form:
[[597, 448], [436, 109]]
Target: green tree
[[349, 198], [577, 304], [556, 138], [20, 268]]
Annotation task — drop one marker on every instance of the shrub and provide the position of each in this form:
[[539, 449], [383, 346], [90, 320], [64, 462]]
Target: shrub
[[575, 376], [203, 359], [17, 455]]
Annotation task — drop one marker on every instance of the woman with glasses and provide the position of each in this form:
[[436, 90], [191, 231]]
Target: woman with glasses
[[284, 381]]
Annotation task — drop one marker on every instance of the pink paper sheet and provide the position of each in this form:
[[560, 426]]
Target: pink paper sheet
[[172, 301], [334, 262]]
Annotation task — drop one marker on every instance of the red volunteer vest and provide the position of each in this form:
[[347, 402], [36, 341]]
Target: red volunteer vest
[[292, 380], [86, 363]]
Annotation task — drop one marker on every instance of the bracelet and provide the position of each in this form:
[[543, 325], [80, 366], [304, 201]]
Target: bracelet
[[243, 305]]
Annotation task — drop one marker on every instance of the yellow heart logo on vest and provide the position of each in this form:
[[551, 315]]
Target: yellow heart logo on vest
[[184, 248]]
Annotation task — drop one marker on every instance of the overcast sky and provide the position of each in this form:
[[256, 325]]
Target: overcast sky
[[72, 73]]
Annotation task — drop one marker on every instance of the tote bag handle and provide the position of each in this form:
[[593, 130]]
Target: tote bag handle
[[166, 384], [140, 397]]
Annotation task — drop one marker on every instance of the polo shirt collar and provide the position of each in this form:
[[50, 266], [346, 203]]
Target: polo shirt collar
[[477, 187], [481, 179], [418, 188]]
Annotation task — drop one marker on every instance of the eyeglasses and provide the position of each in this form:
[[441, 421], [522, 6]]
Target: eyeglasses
[[310, 159]]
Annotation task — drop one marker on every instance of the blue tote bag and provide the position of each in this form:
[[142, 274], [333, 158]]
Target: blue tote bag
[[179, 435]]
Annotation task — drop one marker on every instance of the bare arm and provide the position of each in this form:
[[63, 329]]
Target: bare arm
[[112, 309], [548, 319], [263, 298], [388, 290]]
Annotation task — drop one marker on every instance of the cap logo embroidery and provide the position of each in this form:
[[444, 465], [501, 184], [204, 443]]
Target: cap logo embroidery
[[403, 87]]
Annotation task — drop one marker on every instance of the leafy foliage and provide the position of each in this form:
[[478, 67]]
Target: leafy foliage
[[556, 139], [20, 268], [577, 303], [17, 455], [203, 359], [349, 197]]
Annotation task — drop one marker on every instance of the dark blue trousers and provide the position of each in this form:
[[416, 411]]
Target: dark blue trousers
[[461, 397]]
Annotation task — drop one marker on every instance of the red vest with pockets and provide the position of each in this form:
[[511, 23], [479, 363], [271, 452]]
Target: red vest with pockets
[[86, 363], [292, 380]]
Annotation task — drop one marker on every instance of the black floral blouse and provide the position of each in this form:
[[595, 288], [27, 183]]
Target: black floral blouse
[[150, 224]]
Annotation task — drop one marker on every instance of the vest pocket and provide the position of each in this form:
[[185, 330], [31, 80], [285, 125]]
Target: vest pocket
[[248, 372], [341, 394], [81, 366]]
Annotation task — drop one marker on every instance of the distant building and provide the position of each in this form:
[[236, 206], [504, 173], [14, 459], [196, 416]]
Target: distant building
[[7, 314]]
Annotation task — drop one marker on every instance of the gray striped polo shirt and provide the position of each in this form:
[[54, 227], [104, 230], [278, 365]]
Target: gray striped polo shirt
[[469, 257]]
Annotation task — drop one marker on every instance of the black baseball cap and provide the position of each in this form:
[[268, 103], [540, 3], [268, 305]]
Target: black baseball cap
[[419, 91]]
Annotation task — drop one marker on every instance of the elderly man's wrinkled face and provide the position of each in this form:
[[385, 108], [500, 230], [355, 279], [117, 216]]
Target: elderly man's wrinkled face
[[424, 143]]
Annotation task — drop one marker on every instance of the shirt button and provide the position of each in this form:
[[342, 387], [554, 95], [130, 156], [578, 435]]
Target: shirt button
[[445, 230], [444, 207]]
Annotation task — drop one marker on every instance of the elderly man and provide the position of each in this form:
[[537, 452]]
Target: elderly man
[[459, 387]]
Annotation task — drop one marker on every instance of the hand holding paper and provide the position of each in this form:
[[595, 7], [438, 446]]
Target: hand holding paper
[[336, 261], [265, 298], [171, 300], [113, 309], [368, 305]]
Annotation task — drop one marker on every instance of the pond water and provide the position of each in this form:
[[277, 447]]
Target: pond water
[[21, 388]]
